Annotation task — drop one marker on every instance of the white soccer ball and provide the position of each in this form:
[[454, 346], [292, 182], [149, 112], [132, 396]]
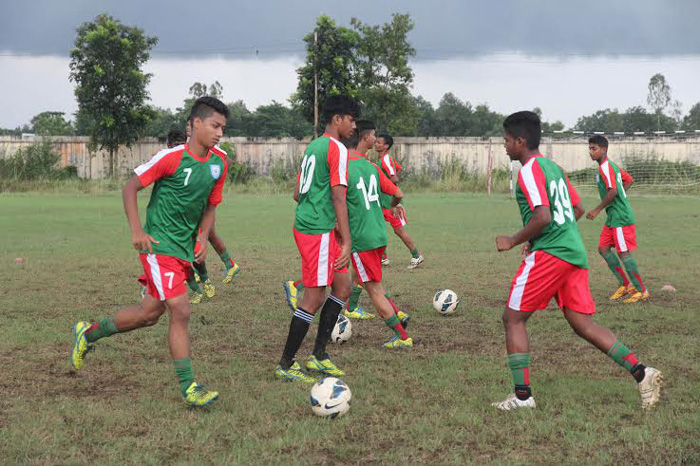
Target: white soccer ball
[[330, 397], [342, 330], [445, 302]]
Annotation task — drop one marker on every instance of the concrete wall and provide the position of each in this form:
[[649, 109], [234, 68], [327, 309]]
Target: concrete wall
[[262, 153]]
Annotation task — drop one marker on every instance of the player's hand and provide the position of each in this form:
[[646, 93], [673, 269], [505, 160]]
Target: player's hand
[[142, 241], [504, 243], [344, 259], [526, 249], [200, 254], [399, 211], [592, 214]]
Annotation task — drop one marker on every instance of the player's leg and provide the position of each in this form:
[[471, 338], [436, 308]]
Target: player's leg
[[231, 268], [626, 242], [404, 318], [209, 288], [354, 310], [416, 257], [195, 395], [387, 312], [605, 249], [193, 285]]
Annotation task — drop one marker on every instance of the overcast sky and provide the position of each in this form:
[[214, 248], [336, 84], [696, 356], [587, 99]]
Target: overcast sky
[[569, 58]]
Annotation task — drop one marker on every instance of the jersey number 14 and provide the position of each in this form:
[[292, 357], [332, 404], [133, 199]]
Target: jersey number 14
[[370, 193]]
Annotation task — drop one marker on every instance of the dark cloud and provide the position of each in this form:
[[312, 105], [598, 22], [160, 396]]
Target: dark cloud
[[444, 28]]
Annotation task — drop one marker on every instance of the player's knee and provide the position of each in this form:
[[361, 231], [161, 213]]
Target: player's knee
[[150, 318], [342, 292]]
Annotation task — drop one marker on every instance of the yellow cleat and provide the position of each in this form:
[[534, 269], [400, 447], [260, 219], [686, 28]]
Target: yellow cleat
[[621, 292], [636, 297], [325, 366], [293, 374], [357, 313], [209, 289], [197, 396], [290, 292], [81, 347], [196, 298], [196, 277], [232, 272], [397, 343]]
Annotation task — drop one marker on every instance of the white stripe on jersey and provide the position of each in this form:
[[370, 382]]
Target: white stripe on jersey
[[360, 267], [323, 253], [342, 161], [530, 184], [387, 162], [143, 168], [621, 240], [155, 275], [516, 297], [605, 168]]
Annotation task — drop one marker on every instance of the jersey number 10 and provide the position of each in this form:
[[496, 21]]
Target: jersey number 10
[[307, 173]]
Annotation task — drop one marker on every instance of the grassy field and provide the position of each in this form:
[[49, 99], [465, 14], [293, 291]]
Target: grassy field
[[427, 405]]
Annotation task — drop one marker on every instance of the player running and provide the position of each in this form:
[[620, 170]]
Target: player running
[[323, 185], [395, 216], [189, 181], [556, 266], [619, 229]]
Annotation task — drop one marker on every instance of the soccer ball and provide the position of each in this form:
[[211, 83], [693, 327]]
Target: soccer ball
[[445, 302], [342, 330], [330, 397]]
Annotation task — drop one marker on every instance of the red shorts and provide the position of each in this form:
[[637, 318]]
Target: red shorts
[[623, 238], [165, 276], [368, 265], [396, 221], [318, 256], [542, 277]]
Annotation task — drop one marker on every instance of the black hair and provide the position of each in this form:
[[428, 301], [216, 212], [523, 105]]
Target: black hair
[[205, 106], [388, 140], [598, 140], [363, 127], [342, 105], [351, 142], [175, 137], [524, 125]]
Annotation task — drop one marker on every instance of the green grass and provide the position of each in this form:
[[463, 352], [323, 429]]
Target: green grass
[[428, 405]]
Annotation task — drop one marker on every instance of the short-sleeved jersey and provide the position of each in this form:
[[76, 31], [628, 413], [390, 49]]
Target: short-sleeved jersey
[[325, 164], [390, 167], [184, 185], [542, 182], [619, 211], [365, 182]]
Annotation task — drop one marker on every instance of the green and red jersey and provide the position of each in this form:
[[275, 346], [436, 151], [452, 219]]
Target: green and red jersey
[[365, 183], [325, 164], [619, 211], [542, 182], [390, 167], [184, 185]]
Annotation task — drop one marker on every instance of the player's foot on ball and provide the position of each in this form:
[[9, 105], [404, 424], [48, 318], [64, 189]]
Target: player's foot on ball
[[403, 318], [196, 298], [290, 292], [621, 292], [397, 343], [209, 289], [650, 387], [81, 347], [636, 297], [197, 396], [416, 261], [230, 273], [358, 313], [513, 402], [293, 374], [324, 366], [386, 261]]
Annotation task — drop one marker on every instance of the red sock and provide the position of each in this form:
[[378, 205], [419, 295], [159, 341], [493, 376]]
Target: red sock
[[625, 280], [402, 332], [298, 282], [393, 306]]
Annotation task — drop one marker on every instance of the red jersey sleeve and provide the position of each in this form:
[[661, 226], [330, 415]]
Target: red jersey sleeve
[[626, 177], [385, 184], [163, 164], [217, 192], [398, 166], [337, 163], [532, 183], [608, 174], [573, 195], [388, 165]]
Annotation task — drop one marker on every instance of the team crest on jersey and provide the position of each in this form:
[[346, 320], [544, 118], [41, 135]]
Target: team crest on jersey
[[215, 171], [597, 177]]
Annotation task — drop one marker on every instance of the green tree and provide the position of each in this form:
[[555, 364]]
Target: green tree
[[110, 84], [425, 117], [51, 124], [691, 121], [452, 117], [603, 120], [659, 96]]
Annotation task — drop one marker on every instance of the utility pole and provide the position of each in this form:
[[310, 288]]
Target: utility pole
[[315, 85]]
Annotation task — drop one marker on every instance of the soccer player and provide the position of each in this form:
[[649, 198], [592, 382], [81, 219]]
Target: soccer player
[[367, 229], [323, 185], [619, 230], [555, 266], [396, 215], [189, 181]]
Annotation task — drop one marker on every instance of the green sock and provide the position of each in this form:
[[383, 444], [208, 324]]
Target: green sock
[[623, 356], [415, 253], [394, 324], [519, 365], [226, 259], [615, 266], [192, 283], [104, 329], [201, 271], [354, 297], [184, 373], [633, 272]]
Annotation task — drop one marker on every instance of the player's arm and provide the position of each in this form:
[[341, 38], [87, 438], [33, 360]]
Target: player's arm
[[610, 196], [141, 240], [206, 223], [387, 186], [575, 200], [340, 206], [627, 179], [295, 196]]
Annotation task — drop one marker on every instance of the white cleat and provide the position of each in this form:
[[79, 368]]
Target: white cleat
[[512, 402], [415, 262], [386, 261], [650, 387]]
